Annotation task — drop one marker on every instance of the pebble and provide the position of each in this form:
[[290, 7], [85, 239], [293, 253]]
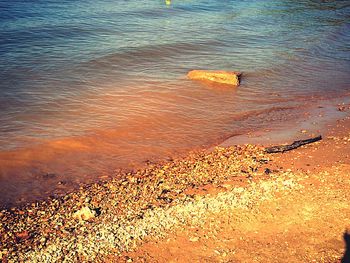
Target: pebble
[[194, 239], [84, 213], [131, 208]]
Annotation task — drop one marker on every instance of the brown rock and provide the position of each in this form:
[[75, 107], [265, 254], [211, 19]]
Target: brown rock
[[341, 108], [24, 235], [224, 77]]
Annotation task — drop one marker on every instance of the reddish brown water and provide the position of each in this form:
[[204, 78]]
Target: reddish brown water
[[173, 125]]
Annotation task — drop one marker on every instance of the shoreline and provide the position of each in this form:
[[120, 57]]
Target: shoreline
[[128, 199], [111, 152], [65, 165], [129, 211], [304, 220]]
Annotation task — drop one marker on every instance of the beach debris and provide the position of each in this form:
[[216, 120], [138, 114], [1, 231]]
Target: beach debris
[[219, 76], [294, 145], [84, 213]]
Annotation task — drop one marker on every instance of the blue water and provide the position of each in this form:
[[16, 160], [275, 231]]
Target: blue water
[[111, 75]]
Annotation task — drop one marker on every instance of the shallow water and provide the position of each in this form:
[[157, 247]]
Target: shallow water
[[88, 87]]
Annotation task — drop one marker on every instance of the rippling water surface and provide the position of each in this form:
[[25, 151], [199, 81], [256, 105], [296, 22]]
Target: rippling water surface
[[88, 87]]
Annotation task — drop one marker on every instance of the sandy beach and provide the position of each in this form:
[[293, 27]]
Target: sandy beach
[[231, 204], [139, 131]]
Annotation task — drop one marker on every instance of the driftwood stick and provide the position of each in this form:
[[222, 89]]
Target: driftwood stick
[[295, 144]]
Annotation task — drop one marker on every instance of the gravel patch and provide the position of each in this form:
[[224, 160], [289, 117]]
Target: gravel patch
[[133, 207]]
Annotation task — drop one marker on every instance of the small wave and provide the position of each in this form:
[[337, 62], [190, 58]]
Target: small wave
[[152, 53], [334, 45]]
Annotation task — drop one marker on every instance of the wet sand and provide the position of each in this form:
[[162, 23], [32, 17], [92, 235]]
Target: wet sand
[[306, 220], [231, 204]]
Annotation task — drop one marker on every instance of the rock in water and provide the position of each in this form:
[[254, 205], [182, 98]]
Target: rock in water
[[84, 214], [224, 77]]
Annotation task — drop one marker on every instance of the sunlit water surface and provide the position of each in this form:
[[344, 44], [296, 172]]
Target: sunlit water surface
[[88, 87]]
